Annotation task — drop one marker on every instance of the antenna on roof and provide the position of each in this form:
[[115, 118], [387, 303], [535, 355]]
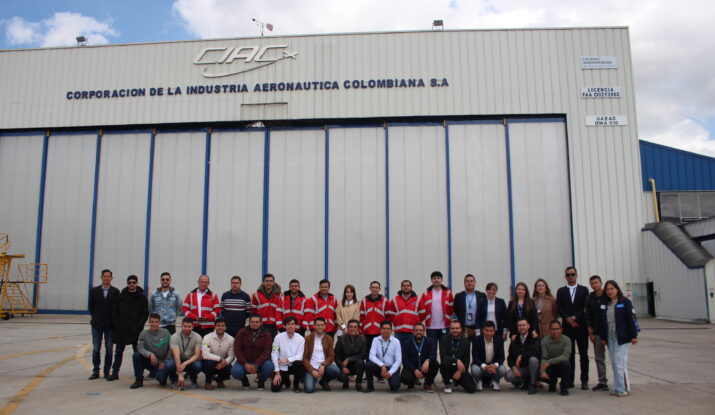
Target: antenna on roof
[[262, 25], [81, 41]]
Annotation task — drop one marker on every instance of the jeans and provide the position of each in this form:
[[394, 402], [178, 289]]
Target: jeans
[[599, 353], [330, 372], [529, 372], [371, 369], [141, 363], [264, 372], [193, 370], [119, 355], [97, 335], [484, 376], [408, 377], [403, 337], [209, 368], [618, 353], [435, 335]]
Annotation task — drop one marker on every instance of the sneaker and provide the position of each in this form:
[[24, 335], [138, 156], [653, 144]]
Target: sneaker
[[495, 385], [447, 389], [176, 387], [194, 384], [532, 389], [261, 386], [296, 387], [150, 376], [584, 386], [138, 383], [428, 388], [245, 383], [380, 380], [600, 387], [93, 376], [418, 382], [480, 387]]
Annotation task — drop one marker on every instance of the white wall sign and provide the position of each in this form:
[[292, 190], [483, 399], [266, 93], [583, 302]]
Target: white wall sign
[[605, 120], [599, 62], [600, 92]]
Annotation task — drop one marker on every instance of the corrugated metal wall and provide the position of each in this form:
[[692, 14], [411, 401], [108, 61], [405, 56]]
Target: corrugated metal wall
[[680, 292], [674, 169]]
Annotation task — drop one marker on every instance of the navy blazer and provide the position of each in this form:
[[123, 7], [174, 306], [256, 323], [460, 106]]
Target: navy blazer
[[411, 359], [479, 353], [625, 322], [460, 309], [499, 312], [567, 308]]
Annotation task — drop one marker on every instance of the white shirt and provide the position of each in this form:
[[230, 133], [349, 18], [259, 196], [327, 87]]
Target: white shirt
[[386, 353], [572, 292], [318, 356], [285, 347], [488, 351], [491, 311], [437, 318], [199, 296]]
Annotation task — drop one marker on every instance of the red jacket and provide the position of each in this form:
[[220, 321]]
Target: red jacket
[[425, 306], [372, 313], [268, 306], [404, 313], [210, 308], [315, 307], [295, 311]]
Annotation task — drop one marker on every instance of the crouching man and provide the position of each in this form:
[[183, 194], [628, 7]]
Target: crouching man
[[152, 352]]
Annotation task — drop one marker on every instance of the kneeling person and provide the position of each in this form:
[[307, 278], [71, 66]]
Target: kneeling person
[[287, 357], [318, 358], [524, 355], [253, 353], [419, 359], [152, 352], [349, 353], [385, 358], [454, 356], [185, 355], [217, 355], [555, 352], [488, 357]]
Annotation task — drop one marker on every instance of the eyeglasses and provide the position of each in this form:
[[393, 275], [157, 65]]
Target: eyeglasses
[[571, 274], [132, 283], [165, 279]]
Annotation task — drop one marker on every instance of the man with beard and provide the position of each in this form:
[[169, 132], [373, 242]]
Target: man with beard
[[266, 302], [252, 348], [349, 354], [419, 359], [292, 305]]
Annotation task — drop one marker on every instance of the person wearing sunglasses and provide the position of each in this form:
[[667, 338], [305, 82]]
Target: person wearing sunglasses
[[130, 312], [571, 302], [166, 302]]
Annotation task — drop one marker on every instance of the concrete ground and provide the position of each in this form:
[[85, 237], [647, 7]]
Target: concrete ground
[[45, 362]]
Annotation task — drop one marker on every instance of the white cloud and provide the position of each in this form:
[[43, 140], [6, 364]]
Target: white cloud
[[19, 31], [59, 30], [671, 43]]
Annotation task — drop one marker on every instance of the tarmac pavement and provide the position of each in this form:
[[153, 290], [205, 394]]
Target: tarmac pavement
[[45, 361]]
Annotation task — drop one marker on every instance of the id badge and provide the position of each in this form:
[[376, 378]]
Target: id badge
[[469, 317]]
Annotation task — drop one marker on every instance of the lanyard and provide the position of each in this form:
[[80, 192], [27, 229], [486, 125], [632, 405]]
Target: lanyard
[[520, 310], [455, 346], [471, 301], [419, 350], [185, 343], [385, 347]]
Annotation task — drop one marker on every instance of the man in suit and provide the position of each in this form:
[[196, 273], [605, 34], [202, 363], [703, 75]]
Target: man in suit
[[571, 302], [101, 304], [470, 307], [488, 357]]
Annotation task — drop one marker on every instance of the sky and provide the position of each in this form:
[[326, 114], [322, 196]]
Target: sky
[[672, 43]]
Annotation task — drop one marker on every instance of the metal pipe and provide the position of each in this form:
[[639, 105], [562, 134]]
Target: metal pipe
[[655, 199]]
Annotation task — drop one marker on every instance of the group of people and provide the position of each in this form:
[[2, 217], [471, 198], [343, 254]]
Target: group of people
[[404, 340]]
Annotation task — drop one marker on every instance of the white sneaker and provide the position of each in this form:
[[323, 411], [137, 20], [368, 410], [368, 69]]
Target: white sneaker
[[479, 385], [448, 389], [495, 385]]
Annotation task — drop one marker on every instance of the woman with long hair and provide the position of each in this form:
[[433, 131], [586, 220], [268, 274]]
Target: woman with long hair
[[348, 309], [522, 306], [618, 325], [545, 306]]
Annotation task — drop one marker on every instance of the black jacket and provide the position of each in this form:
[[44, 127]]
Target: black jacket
[[479, 354], [500, 314], [626, 325], [447, 352], [129, 315], [352, 349], [530, 348], [593, 310], [530, 313], [100, 308], [576, 309], [460, 309], [412, 359]]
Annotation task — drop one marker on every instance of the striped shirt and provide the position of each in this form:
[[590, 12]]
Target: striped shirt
[[235, 308]]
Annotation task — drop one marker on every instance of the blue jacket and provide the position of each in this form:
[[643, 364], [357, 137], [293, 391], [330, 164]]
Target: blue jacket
[[411, 359], [626, 326], [168, 308]]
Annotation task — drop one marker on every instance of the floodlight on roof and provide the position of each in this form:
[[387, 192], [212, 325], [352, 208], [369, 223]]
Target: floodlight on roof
[[81, 41], [438, 25]]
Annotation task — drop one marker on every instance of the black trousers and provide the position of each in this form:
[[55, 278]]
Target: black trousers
[[408, 376], [561, 370], [579, 338], [466, 381], [171, 328], [209, 368], [356, 368], [298, 372], [203, 331]]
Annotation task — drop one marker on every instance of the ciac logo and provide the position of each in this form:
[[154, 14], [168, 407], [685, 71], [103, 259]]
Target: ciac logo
[[226, 61]]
